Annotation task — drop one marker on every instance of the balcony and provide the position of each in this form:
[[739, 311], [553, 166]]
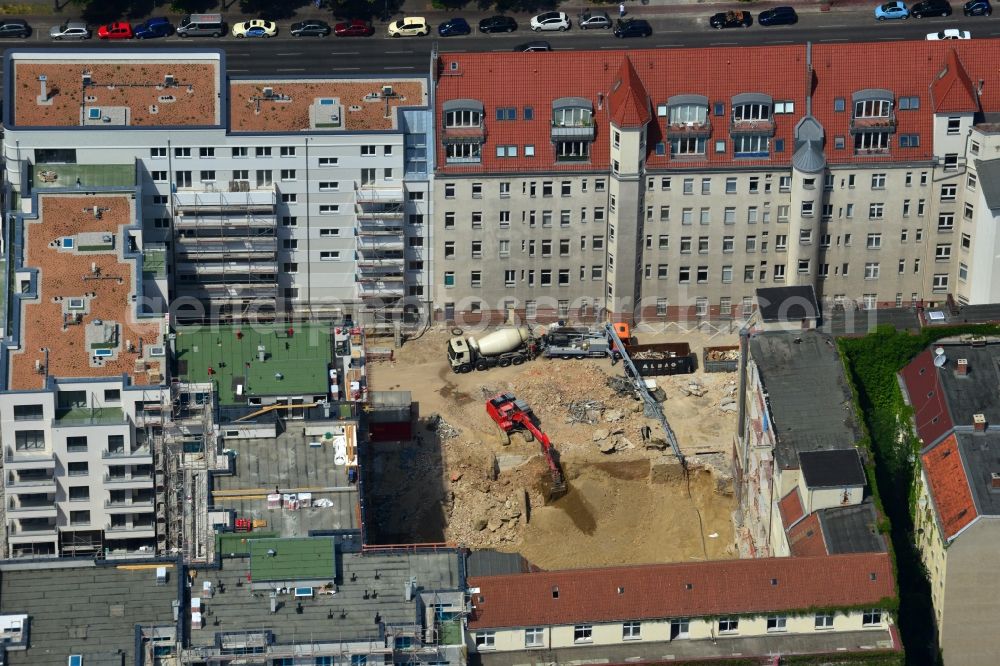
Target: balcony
[[378, 210], [380, 243], [129, 506], [32, 459], [29, 529], [581, 131], [208, 198], [763, 127], [379, 193], [29, 507], [381, 289], [227, 267], [89, 416], [473, 134], [700, 130], [873, 124], [133, 531], [29, 485], [381, 225], [129, 481], [139, 456], [384, 263], [202, 248]]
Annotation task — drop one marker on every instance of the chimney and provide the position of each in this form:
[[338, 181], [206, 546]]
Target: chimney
[[994, 481], [962, 367], [43, 83], [979, 422]]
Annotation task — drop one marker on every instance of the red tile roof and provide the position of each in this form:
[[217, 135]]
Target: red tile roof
[[953, 90], [949, 486], [661, 591], [930, 411], [628, 100], [806, 537], [907, 69], [790, 507]]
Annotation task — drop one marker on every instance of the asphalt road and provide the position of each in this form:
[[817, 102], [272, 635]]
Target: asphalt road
[[288, 55]]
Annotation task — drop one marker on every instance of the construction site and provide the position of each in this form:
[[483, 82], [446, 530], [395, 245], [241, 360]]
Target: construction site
[[628, 498]]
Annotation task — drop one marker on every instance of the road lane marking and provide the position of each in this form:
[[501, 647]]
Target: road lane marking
[[345, 53], [397, 52], [399, 68], [288, 54], [294, 69]]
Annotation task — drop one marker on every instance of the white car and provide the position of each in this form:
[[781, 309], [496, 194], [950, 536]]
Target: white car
[[550, 21], [950, 33], [409, 27], [255, 28]]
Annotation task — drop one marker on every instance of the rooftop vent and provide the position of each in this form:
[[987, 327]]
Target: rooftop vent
[[962, 367], [168, 80], [995, 480], [86, 79], [387, 91], [979, 422], [268, 92], [621, 590]]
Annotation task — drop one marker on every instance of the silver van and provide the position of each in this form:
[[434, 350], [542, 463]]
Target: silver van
[[201, 25]]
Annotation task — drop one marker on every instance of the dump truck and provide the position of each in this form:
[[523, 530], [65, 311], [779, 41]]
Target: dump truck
[[664, 358], [508, 346]]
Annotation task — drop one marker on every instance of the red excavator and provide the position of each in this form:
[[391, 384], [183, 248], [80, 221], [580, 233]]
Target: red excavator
[[510, 415]]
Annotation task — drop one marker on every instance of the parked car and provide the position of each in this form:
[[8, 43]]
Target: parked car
[[154, 27], [201, 25], [892, 10], [70, 30], [454, 27], [14, 28], [310, 28], [116, 30], [533, 46], [354, 28], [498, 24], [736, 19], [931, 8], [410, 26], [977, 8], [778, 16], [590, 20], [550, 21], [630, 27], [255, 28], [950, 33]]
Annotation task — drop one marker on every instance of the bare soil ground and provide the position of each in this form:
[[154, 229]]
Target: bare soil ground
[[460, 482]]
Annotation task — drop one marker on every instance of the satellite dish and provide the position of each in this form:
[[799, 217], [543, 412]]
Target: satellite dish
[[939, 358]]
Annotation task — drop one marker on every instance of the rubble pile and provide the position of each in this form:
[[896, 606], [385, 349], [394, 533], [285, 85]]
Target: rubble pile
[[723, 355]]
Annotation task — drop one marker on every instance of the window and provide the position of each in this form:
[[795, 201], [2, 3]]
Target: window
[[969, 212], [449, 249], [807, 208], [871, 270], [506, 151], [781, 242], [509, 277], [664, 213], [940, 282], [367, 151], [946, 222], [681, 146], [909, 140], [158, 176], [871, 618], [779, 272], [264, 177], [182, 152], [76, 444], [684, 274], [545, 277], [874, 241], [823, 621], [477, 190], [329, 209], [751, 243], [680, 628], [506, 113], [704, 216], [954, 126], [703, 245], [28, 412], [966, 241], [730, 186], [748, 273], [207, 176], [777, 623], [29, 440], [157, 153], [77, 469], [727, 274], [463, 152], [963, 271], [702, 275], [685, 245], [563, 277], [583, 633], [875, 211], [942, 252], [631, 631], [485, 639], [290, 243], [290, 267], [909, 103], [449, 278], [751, 145], [970, 181], [784, 183], [597, 272], [728, 215], [878, 181], [902, 267], [784, 107], [918, 235], [729, 625], [534, 637], [504, 248], [79, 517]]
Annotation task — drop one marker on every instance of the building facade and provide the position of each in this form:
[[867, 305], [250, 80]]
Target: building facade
[[670, 186]]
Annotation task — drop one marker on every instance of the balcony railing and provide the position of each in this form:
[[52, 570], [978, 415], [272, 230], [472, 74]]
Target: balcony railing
[[132, 478], [129, 505], [763, 127], [579, 132], [876, 124], [125, 454], [87, 416], [30, 458], [464, 134], [694, 129]]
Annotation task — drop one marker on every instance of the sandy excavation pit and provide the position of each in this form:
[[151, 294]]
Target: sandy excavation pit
[[625, 504]]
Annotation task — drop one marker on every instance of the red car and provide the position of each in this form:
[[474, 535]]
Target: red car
[[116, 30], [354, 28]]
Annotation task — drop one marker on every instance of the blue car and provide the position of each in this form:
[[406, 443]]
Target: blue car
[[454, 28], [892, 10], [154, 27]]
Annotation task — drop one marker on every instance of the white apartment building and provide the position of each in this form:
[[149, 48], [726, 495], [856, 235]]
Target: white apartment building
[[671, 185], [303, 195]]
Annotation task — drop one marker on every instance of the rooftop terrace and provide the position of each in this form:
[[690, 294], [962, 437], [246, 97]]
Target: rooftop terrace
[[288, 105], [348, 614], [294, 365], [69, 89], [809, 397], [83, 315], [52, 176], [289, 463], [91, 611]]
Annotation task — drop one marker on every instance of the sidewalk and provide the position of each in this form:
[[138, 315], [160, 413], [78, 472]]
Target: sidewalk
[[45, 15]]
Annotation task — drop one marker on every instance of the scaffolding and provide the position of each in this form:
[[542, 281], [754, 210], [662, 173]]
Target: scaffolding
[[379, 209], [226, 246]]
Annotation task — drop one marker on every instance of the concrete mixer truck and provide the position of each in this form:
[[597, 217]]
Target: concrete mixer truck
[[508, 346]]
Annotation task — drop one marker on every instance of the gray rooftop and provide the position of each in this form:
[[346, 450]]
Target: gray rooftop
[[989, 176], [859, 322], [980, 458], [810, 400], [851, 529], [978, 392], [292, 465], [977, 314], [92, 611], [832, 469], [346, 615], [779, 304], [495, 563]]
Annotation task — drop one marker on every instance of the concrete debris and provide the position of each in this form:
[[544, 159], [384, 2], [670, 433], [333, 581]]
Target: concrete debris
[[623, 444], [693, 388], [608, 446], [723, 354], [650, 355], [620, 385], [493, 524], [613, 415], [657, 444], [479, 524], [436, 423], [600, 435], [584, 411], [322, 503], [729, 408]]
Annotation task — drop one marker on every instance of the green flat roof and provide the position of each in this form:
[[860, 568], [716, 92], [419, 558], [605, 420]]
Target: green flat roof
[[239, 542], [312, 558], [302, 360], [90, 175], [154, 263]]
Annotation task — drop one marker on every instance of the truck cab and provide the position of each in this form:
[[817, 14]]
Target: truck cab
[[459, 354]]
